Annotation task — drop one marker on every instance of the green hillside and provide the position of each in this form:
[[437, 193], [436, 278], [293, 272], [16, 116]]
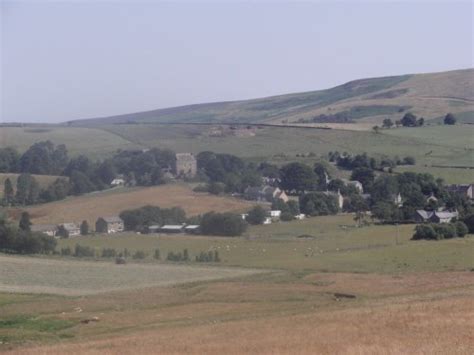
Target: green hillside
[[362, 101]]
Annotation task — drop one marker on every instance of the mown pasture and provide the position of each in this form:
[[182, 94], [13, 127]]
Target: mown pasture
[[329, 244]]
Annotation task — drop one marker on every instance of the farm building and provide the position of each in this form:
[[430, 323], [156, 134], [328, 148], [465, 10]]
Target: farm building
[[435, 216], [70, 229], [186, 165], [265, 194], [118, 181], [109, 225], [465, 190], [192, 229], [172, 228], [48, 229]]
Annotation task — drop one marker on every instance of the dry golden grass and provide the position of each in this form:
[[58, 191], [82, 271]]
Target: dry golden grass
[[109, 203], [275, 317]]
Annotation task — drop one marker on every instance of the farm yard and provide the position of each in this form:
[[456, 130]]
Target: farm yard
[[111, 202]]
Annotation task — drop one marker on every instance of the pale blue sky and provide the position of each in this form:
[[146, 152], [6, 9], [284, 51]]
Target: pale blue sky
[[71, 59]]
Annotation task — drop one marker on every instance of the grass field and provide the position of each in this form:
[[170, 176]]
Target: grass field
[[111, 202], [406, 295], [77, 278], [89, 141], [336, 246]]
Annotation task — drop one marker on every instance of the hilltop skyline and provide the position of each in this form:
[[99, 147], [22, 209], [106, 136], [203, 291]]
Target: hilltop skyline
[[85, 60]]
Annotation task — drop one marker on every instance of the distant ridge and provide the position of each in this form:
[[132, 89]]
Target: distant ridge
[[363, 101]]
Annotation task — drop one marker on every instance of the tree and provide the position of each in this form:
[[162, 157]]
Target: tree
[[62, 232], [469, 221], [8, 193], [420, 122], [461, 229], [424, 231], [298, 177], [450, 119], [25, 223], [225, 224], [256, 215], [408, 120], [27, 189], [385, 211], [365, 175], [293, 207], [84, 228], [387, 123], [376, 129]]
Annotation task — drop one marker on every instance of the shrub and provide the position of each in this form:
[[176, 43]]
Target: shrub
[[256, 215], [109, 253], [120, 260], [157, 254], [226, 224], [286, 216], [80, 251], [424, 231], [66, 251], [139, 254], [461, 229], [445, 231]]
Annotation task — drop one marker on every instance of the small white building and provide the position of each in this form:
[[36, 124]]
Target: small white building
[[48, 229], [275, 213], [267, 220], [117, 182], [300, 216]]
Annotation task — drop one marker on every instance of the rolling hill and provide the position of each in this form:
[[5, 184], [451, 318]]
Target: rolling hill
[[357, 103]]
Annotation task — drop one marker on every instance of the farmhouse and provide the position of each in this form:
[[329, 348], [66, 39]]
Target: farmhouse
[[186, 165], [109, 225], [71, 229], [435, 216], [465, 190], [48, 229], [265, 194]]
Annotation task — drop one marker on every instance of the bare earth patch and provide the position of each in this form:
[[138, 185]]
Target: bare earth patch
[[74, 278]]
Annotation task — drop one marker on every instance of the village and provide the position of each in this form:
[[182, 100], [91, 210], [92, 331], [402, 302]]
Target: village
[[267, 195]]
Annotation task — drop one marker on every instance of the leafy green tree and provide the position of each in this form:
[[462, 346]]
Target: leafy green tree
[[256, 215], [385, 211], [469, 222], [85, 228], [409, 120], [25, 223], [27, 189], [8, 193], [298, 177], [420, 122], [461, 229], [424, 231], [216, 188], [80, 183], [293, 207], [387, 123], [9, 160], [225, 224], [365, 176], [449, 119]]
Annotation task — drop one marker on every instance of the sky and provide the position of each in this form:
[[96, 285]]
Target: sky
[[64, 60]]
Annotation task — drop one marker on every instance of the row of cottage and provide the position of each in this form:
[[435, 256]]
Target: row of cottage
[[108, 225]]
